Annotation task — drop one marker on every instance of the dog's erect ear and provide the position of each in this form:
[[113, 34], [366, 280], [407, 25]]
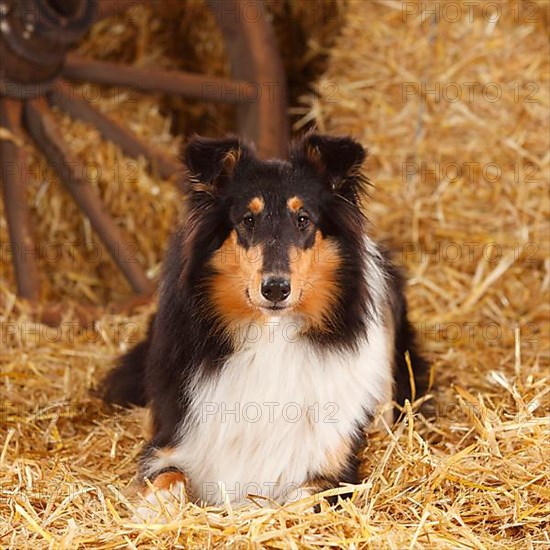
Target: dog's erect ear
[[338, 159], [210, 160]]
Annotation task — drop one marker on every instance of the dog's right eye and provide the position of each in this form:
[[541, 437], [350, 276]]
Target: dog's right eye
[[248, 221]]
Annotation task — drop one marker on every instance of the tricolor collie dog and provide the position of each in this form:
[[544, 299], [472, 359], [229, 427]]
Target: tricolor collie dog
[[281, 328]]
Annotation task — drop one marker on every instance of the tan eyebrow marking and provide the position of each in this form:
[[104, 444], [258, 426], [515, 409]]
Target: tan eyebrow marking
[[256, 205], [294, 204]]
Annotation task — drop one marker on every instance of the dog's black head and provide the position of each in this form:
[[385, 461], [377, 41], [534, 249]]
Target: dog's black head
[[274, 237]]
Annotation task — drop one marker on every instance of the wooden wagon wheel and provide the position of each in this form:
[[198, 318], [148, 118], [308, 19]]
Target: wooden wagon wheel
[[36, 71]]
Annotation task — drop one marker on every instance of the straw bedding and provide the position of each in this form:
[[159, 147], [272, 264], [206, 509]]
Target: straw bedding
[[473, 473]]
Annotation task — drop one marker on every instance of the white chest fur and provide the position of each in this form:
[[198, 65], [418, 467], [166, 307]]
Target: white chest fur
[[265, 424]]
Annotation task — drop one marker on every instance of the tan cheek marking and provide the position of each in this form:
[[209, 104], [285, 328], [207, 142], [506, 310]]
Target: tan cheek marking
[[256, 205], [236, 270], [294, 204], [315, 273]]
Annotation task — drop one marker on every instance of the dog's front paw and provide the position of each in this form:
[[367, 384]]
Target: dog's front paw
[[162, 501]]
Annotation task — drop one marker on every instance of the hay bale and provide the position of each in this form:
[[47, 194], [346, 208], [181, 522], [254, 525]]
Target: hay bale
[[474, 476]]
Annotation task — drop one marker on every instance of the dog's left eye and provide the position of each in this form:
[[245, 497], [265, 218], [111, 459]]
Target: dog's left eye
[[248, 221], [302, 221]]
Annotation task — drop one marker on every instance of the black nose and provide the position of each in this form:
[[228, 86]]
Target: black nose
[[275, 289]]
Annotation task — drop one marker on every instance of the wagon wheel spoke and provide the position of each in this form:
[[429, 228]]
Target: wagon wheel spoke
[[74, 104], [86, 314], [43, 129], [15, 200], [251, 47], [191, 85]]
